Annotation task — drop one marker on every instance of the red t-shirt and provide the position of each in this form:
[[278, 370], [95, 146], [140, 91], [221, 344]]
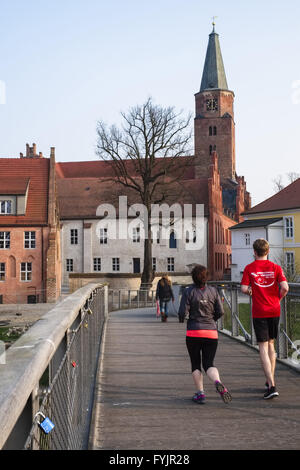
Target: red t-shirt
[[264, 276]]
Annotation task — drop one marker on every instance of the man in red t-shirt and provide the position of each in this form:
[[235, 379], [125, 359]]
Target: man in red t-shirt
[[266, 282]]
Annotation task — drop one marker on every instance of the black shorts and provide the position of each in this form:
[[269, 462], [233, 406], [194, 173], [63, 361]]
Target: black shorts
[[266, 328], [201, 350]]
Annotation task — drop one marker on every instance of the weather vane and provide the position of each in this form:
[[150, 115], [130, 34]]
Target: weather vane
[[213, 23]]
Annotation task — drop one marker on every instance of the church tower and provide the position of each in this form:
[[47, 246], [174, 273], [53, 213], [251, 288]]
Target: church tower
[[214, 120]]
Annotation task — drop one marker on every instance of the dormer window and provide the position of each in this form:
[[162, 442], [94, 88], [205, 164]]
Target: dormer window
[[6, 207]]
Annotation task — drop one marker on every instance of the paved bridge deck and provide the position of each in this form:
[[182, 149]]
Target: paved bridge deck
[[144, 390]]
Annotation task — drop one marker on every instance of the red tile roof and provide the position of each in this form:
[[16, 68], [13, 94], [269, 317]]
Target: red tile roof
[[37, 171], [13, 185], [79, 197], [287, 198], [103, 169], [83, 186]]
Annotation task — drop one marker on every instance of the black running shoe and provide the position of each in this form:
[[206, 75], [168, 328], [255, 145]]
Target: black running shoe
[[271, 393], [199, 398]]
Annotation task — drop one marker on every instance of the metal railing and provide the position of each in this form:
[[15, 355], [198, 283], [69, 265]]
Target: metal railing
[[50, 371], [120, 299], [238, 319]]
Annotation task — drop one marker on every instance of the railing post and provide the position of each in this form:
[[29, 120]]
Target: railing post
[[234, 311], [120, 296], [106, 301], [282, 342], [253, 336]]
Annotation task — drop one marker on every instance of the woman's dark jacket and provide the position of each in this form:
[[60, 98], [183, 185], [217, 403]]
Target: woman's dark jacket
[[203, 307], [164, 291]]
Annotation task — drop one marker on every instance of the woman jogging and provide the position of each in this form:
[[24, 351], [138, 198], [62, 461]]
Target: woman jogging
[[164, 293], [203, 306]]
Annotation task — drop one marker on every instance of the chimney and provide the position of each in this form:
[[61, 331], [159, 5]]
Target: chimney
[[31, 152]]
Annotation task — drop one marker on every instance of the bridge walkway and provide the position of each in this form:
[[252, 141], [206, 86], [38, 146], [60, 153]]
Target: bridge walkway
[[144, 389]]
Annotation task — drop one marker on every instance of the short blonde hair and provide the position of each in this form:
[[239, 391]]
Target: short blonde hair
[[261, 247]]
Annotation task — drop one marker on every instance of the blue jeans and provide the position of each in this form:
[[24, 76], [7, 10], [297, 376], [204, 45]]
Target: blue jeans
[[163, 305]]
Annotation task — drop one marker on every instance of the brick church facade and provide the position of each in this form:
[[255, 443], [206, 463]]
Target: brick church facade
[[215, 144]]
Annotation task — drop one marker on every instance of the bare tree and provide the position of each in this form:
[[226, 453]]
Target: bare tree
[[146, 155], [278, 183], [293, 176]]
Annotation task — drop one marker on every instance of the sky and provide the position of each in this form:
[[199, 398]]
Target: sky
[[66, 64]]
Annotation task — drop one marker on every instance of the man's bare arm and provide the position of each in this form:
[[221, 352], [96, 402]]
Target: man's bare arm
[[246, 290], [284, 288]]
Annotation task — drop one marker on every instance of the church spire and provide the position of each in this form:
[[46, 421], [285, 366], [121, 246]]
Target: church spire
[[214, 76]]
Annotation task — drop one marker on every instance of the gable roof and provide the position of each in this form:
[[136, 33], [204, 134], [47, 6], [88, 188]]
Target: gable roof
[[80, 197], [104, 169], [286, 199], [253, 223], [17, 171]]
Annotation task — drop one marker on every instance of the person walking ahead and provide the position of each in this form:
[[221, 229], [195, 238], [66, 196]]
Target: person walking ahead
[[164, 293], [267, 284], [204, 307]]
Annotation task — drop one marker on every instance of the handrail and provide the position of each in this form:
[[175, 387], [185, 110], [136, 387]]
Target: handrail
[[27, 359]]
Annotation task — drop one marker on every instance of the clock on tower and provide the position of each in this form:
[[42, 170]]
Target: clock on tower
[[212, 104]]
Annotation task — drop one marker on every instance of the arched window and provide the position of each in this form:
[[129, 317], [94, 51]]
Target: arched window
[[210, 130], [172, 240], [214, 130], [12, 266]]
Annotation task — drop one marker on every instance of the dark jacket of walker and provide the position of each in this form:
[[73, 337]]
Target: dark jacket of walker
[[202, 306], [164, 291]]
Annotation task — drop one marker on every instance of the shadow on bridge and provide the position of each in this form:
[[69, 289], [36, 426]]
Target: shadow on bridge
[[144, 390]]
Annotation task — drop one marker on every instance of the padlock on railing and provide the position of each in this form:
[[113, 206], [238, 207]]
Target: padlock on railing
[[46, 424]]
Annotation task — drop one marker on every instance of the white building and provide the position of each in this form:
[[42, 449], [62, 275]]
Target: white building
[[244, 234], [88, 248]]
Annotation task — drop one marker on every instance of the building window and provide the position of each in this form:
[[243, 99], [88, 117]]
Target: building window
[[171, 265], [289, 227], [290, 262], [172, 240], [2, 271], [4, 240], [247, 239], [212, 148], [116, 264], [210, 130], [5, 207], [158, 236], [214, 130], [29, 240], [26, 272], [103, 236], [188, 236], [69, 265], [97, 264], [154, 264], [74, 236], [136, 237]]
